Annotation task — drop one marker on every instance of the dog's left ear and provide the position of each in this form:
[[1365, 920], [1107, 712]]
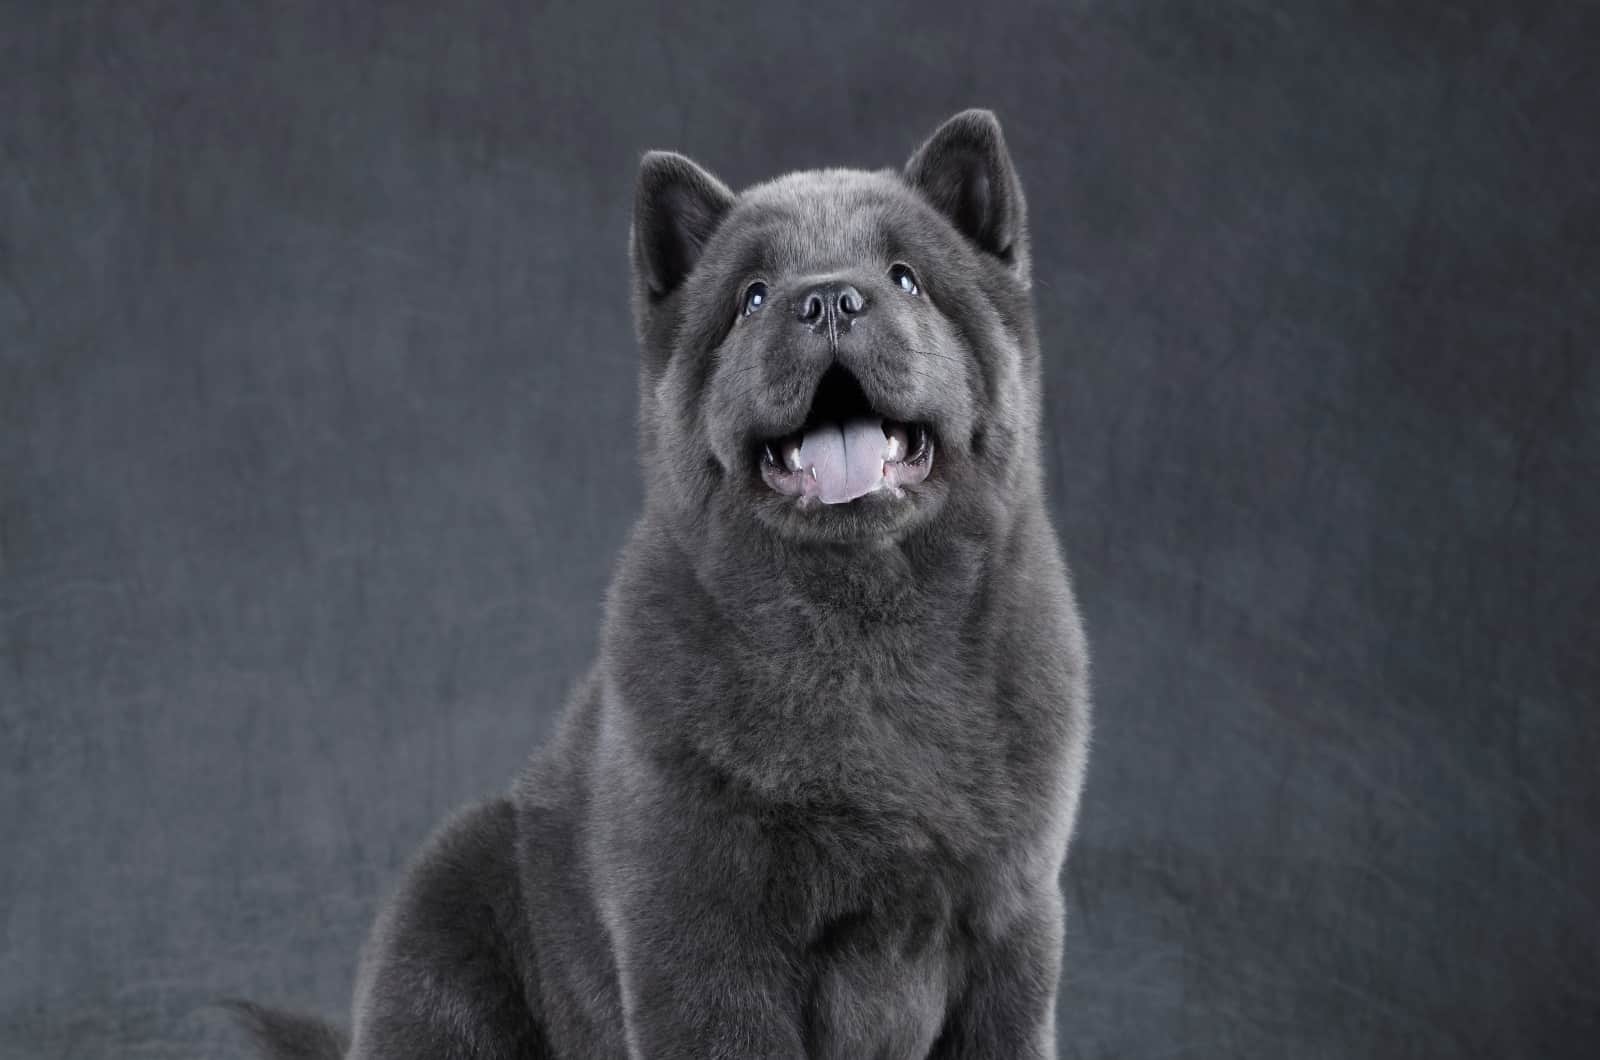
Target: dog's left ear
[[676, 207], [965, 171]]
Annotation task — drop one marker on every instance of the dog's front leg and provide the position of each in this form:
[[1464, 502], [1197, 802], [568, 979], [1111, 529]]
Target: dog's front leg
[[683, 886], [700, 983], [1006, 1009]]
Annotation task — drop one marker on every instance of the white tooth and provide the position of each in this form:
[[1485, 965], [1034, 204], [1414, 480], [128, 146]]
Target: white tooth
[[895, 443], [793, 457]]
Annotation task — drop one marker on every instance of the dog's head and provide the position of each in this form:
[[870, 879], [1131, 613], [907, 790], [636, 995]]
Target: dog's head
[[838, 355]]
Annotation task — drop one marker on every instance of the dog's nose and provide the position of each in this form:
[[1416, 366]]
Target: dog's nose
[[838, 301]]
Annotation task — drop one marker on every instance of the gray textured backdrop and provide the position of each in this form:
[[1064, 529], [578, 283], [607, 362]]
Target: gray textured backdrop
[[316, 443]]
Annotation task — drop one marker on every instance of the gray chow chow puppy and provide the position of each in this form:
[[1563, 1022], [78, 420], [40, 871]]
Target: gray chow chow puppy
[[814, 797]]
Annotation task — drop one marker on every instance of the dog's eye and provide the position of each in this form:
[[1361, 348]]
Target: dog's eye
[[902, 277], [755, 296]]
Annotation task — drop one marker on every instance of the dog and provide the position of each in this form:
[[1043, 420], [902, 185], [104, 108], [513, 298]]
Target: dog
[[814, 797]]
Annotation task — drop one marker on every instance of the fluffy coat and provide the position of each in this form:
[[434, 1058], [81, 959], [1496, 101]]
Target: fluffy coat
[[814, 797]]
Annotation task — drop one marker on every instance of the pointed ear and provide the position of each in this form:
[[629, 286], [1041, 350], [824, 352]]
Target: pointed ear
[[965, 171], [676, 207]]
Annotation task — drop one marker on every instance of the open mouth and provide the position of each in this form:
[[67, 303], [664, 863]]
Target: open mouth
[[846, 450]]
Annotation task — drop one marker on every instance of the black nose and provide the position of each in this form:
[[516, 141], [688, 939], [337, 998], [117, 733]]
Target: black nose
[[837, 301]]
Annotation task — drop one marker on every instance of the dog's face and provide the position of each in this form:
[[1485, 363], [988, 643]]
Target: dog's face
[[837, 355]]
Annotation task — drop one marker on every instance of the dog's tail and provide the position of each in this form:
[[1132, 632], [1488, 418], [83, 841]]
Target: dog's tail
[[285, 1035]]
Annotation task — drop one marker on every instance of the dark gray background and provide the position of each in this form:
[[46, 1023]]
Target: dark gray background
[[316, 444]]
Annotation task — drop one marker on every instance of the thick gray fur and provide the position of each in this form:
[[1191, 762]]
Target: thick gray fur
[[814, 797]]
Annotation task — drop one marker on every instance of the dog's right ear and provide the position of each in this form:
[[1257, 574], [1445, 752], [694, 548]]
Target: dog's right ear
[[676, 207]]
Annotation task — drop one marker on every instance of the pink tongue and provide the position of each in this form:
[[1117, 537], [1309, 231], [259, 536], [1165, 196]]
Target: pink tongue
[[846, 459]]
